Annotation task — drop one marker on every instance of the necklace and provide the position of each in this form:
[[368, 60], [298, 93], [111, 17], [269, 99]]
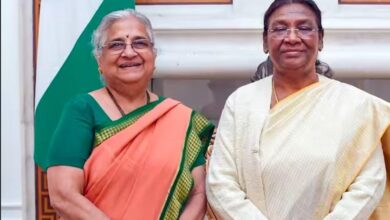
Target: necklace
[[119, 107], [274, 90]]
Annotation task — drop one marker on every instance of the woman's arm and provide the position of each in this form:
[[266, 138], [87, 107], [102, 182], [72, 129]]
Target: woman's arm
[[196, 204], [66, 185], [365, 193], [224, 192]]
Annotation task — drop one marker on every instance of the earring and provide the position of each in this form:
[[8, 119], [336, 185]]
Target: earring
[[266, 51]]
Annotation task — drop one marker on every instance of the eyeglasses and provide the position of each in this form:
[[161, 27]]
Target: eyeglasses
[[302, 32], [117, 47]]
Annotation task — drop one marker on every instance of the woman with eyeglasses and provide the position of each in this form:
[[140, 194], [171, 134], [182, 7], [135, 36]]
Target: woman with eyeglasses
[[296, 144], [123, 152]]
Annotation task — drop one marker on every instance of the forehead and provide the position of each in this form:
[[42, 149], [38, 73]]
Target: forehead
[[129, 27], [292, 13]]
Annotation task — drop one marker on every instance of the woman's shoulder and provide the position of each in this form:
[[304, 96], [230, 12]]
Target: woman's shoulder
[[350, 91], [254, 92], [162, 99], [81, 101], [83, 106], [356, 98], [252, 87], [196, 116]]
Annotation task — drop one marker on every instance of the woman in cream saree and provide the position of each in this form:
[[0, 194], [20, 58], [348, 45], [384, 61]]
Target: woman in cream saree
[[296, 145], [309, 157]]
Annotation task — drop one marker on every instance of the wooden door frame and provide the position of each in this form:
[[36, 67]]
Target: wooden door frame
[[364, 1], [181, 2]]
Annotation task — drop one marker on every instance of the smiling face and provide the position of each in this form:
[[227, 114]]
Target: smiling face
[[293, 53], [129, 66]]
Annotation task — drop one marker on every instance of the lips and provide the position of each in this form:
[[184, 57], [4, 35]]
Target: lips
[[292, 51], [127, 65]]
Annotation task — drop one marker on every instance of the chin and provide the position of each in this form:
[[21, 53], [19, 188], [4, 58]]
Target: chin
[[293, 66], [132, 78]]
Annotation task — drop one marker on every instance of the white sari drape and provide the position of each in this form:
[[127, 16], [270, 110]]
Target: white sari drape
[[316, 154]]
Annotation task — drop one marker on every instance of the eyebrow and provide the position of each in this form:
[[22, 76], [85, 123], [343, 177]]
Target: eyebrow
[[123, 40], [298, 22], [117, 39]]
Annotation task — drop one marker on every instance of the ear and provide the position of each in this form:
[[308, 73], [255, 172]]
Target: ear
[[99, 65], [320, 42], [265, 44]]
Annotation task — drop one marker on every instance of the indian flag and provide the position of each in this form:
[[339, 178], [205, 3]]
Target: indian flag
[[65, 64]]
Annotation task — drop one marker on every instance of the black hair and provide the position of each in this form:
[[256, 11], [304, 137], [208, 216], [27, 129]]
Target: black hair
[[279, 3], [266, 68]]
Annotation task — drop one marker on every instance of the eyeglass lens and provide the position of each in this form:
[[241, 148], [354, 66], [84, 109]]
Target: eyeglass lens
[[120, 46], [304, 32]]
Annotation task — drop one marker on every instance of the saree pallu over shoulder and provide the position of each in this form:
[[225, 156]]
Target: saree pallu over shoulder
[[372, 126], [130, 175], [339, 127], [316, 154], [359, 123]]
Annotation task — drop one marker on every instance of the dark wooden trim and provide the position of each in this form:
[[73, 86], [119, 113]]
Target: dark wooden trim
[[43, 208], [364, 2], [181, 2], [36, 8]]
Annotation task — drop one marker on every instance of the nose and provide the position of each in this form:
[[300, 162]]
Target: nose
[[292, 36], [292, 32], [129, 51]]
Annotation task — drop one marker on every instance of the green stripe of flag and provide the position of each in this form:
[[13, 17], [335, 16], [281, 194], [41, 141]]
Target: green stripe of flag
[[78, 74]]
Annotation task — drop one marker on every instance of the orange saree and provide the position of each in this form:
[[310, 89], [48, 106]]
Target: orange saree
[[143, 171]]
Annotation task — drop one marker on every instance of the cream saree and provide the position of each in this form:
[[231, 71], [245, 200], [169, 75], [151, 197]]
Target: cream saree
[[140, 168], [303, 159]]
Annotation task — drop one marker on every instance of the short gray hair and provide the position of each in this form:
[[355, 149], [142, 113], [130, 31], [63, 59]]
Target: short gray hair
[[99, 36]]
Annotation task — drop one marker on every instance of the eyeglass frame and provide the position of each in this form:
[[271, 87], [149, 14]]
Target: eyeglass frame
[[287, 31], [120, 51]]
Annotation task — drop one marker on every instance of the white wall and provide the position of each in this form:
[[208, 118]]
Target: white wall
[[226, 39], [221, 46], [11, 111], [210, 49], [16, 110]]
